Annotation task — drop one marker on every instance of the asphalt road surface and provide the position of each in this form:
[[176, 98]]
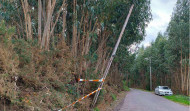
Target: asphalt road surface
[[137, 100]]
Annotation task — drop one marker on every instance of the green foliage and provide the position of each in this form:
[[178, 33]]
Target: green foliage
[[72, 90], [96, 109], [114, 97], [7, 10], [61, 87], [108, 15], [8, 65], [125, 87], [166, 53], [23, 49], [101, 95], [178, 35], [179, 98], [6, 33], [159, 65]]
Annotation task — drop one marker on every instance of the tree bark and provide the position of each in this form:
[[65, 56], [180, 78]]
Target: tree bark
[[39, 21], [46, 32], [57, 17], [188, 77], [64, 21], [74, 37], [27, 19], [182, 75]]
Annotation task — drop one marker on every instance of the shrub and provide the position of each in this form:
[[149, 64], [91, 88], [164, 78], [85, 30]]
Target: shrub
[[6, 33], [23, 49], [96, 109], [114, 97], [125, 87], [8, 65], [101, 95]]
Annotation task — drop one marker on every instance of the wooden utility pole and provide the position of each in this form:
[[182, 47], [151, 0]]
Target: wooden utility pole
[[112, 56]]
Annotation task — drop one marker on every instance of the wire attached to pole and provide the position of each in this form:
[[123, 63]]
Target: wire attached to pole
[[112, 56]]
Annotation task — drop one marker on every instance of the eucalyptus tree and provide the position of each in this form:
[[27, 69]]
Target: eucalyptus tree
[[89, 27], [178, 38], [169, 54]]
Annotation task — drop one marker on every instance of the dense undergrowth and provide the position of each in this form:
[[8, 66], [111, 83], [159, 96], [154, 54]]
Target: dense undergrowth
[[33, 79]]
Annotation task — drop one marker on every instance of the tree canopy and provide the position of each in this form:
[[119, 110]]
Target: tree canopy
[[169, 54], [59, 41]]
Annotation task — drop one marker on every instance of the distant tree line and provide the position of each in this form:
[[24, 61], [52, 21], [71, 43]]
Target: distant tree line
[[169, 55]]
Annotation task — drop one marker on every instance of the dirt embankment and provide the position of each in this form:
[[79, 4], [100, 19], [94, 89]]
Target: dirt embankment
[[113, 105]]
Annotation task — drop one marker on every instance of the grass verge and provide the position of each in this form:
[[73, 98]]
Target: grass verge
[[179, 99]]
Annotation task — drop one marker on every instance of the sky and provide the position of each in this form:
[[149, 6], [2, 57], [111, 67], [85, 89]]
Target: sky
[[161, 14]]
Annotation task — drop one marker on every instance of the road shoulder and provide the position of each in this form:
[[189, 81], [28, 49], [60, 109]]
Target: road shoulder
[[115, 105]]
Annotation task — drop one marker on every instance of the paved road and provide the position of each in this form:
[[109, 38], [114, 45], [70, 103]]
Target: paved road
[[137, 100]]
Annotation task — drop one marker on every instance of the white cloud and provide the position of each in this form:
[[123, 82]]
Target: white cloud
[[161, 11], [147, 44]]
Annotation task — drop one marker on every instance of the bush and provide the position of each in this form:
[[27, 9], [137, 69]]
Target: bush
[[96, 109], [101, 95], [114, 97], [44, 80], [6, 33], [23, 49], [8, 65], [125, 87]]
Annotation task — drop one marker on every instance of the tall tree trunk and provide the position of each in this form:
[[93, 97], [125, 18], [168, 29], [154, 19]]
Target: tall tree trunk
[[74, 37], [182, 82], [39, 21], [46, 32], [48, 23], [27, 19], [188, 77], [64, 22], [185, 77], [44, 12]]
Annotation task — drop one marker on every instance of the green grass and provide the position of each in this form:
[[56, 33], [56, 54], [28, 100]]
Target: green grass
[[114, 97], [126, 88], [179, 98], [96, 109]]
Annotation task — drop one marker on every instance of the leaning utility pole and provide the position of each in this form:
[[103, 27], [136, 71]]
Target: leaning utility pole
[[112, 56]]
